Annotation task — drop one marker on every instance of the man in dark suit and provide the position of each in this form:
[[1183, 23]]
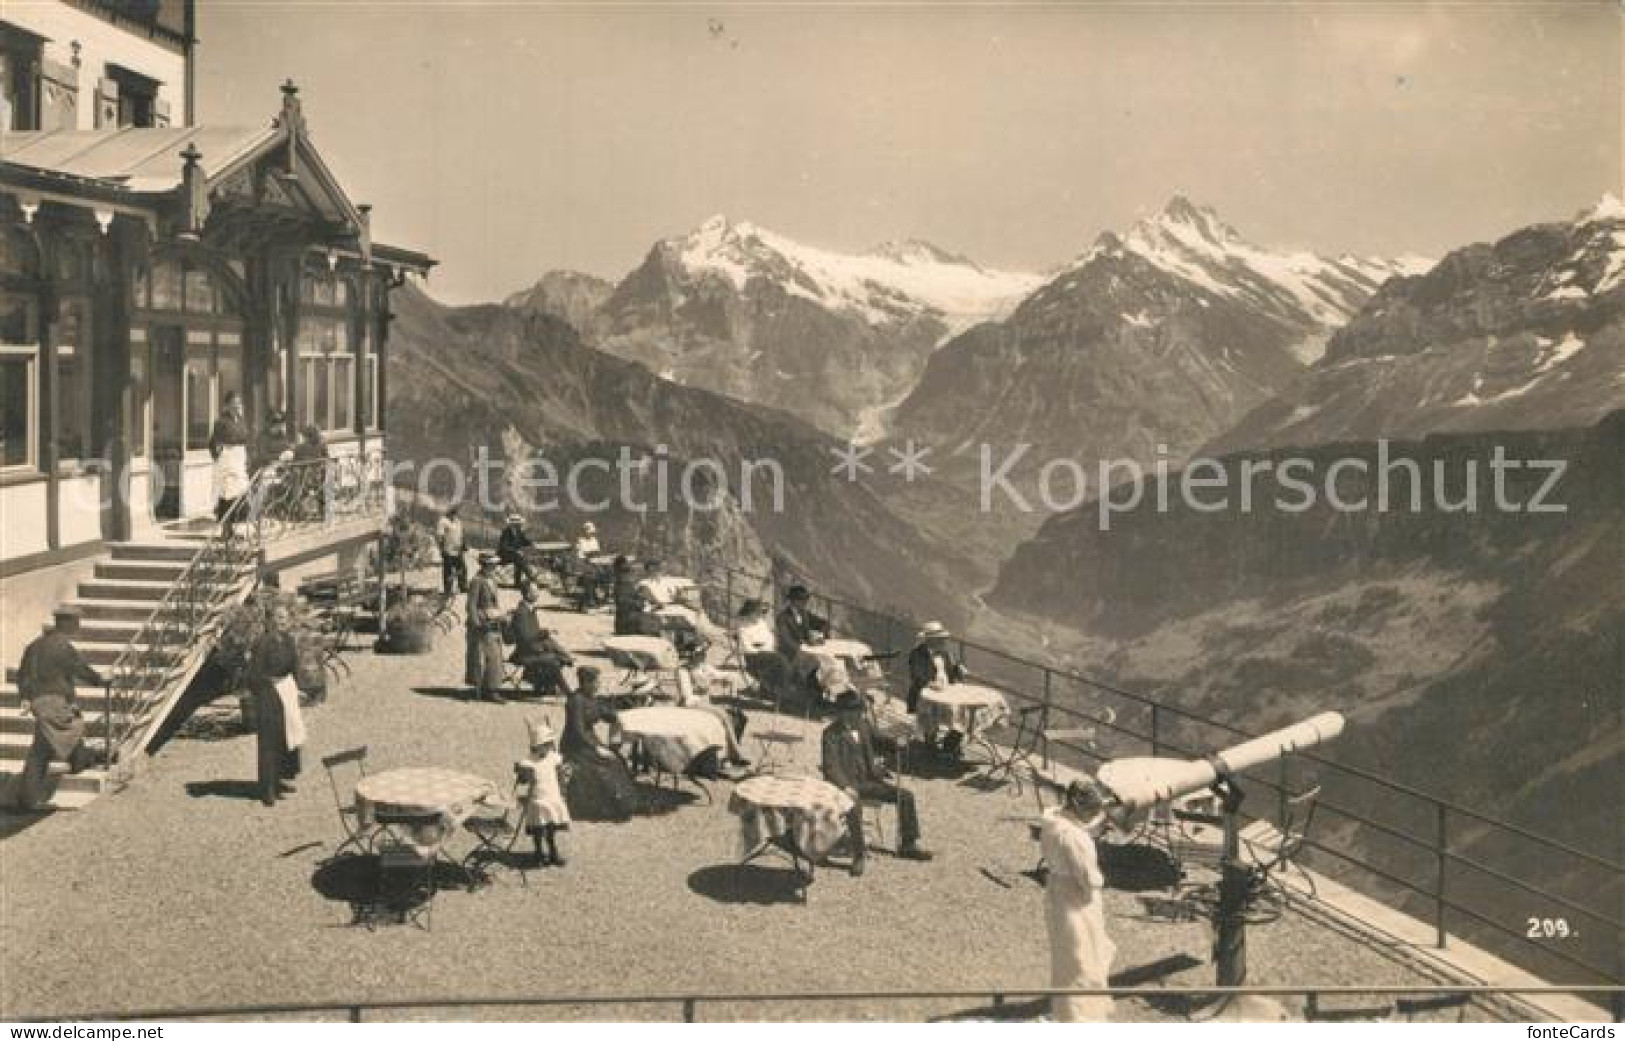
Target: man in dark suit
[[932, 663], [534, 649], [512, 542], [50, 670], [850, 763], [797, 625]]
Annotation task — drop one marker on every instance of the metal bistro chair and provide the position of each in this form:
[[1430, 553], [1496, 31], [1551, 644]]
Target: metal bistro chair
[[406, 868], [1021, 751], [1276, 850], [495, 836], [356, 835]]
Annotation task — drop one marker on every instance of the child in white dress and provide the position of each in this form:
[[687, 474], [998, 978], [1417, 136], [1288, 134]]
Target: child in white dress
[[542, 807]]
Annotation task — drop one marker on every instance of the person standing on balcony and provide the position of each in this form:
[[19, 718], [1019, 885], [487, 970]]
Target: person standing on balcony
[[51, 668], [276, 443], [280, 725], [1074, 904], [453, 544], [482, 620], [228, 446]]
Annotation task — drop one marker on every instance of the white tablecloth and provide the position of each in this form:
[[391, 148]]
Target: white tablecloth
[[673, 736], [966, 707], [451, 795], [810, 811], [833, 657], [649, 653]]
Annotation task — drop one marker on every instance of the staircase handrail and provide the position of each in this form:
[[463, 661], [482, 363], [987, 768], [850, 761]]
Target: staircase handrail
[[283, 498]]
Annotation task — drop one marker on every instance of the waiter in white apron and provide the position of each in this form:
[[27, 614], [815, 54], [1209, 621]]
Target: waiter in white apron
[[228, 446]]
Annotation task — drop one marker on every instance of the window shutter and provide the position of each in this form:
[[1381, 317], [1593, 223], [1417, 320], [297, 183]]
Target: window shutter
[[160, 112], [106, 102], [59, 103]]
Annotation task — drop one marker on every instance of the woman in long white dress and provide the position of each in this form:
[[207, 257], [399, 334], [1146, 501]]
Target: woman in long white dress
[[541, 801], [1074, 905]]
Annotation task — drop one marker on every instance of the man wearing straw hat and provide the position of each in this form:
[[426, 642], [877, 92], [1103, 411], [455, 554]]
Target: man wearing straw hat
[[511, 545], [50, 670], [482, 622], [932, 663]]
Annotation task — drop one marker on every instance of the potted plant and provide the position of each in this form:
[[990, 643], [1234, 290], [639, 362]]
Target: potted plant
[[407, 547], [409, 626]]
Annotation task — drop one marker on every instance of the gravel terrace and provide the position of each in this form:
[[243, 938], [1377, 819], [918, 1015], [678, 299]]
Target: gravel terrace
[[183, 891]]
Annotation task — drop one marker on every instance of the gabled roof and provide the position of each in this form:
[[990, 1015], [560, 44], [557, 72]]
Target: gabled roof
[[139, 159], [117, 164]]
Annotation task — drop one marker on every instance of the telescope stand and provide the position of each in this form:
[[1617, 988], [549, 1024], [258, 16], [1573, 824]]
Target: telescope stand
[[1230, 919]]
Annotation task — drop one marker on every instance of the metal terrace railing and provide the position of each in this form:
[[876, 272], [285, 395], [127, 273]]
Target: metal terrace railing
[[1541, 903], [1458, 868], [994, 1003], [284, 499]]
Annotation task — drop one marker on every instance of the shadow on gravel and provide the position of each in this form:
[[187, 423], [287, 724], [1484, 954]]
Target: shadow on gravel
[[1138, 868], [747, 884], [249, 790], [450, 693]]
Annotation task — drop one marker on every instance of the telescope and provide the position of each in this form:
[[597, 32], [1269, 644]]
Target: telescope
[[1136, 784]]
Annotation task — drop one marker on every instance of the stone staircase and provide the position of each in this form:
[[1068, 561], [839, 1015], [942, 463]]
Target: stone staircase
[[126, 591]]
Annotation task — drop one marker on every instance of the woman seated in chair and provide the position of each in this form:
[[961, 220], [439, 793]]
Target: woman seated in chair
[[759, 648], [600, 786], [535, 650]]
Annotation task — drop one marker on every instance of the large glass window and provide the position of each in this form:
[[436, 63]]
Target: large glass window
[[140, 392], [17, 409], [73, 368], [327, 355], [188, 300]]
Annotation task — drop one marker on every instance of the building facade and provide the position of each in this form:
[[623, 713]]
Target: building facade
[[149, 268]]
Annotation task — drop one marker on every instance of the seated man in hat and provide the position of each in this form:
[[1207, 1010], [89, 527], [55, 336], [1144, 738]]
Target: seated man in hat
[[932, 663], [511, 546], [851, 764], [50, 671], [797, 625], [535, 650]]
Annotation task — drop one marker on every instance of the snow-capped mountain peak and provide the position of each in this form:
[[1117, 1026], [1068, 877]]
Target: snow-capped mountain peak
[[1608, 208], [894, 281], [1191, 242]]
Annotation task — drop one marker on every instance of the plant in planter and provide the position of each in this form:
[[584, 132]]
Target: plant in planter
[[409, 626], [406, 547]]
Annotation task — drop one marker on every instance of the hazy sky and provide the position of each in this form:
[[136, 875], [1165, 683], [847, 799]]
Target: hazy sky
[[508, 139]]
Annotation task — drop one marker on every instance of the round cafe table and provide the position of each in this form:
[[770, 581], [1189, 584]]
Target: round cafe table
[[425, 791], [802, 817], [821, 660], [641, 653], [969, 708], [672, 736]]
